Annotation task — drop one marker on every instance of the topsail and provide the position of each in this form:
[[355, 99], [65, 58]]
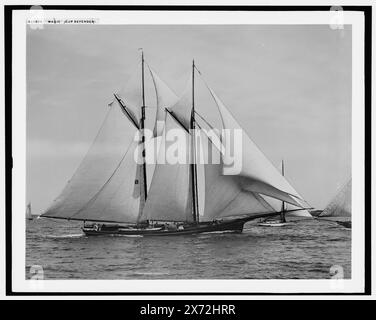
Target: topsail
[[166, 98]]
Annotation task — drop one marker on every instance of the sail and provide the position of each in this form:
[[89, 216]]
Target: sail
[[298, 213], [276, 204], [258, 174], [340, 206], [182, 109], [127, 109], [28, 211], [102, 162], [170, 197], [119, 200], [224, 196], [166, 98]]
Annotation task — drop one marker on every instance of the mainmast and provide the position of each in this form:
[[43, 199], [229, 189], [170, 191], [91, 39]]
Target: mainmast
[[195, 211], [142, 126]]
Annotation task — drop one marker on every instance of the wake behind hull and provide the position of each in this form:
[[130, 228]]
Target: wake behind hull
[[228, 226]]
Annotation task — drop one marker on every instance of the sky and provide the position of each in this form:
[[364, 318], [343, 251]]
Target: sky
[[289, 86]]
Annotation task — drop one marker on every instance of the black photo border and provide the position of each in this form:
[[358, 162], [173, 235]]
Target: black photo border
[[8, 10]]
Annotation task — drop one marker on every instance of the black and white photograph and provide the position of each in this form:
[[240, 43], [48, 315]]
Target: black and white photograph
[[188, 151]]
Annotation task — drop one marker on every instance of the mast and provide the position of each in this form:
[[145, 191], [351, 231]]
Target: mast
[[283, 218], [142, 126], [194, 164]]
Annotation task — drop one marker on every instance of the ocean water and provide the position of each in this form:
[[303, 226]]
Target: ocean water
[[305, 249]]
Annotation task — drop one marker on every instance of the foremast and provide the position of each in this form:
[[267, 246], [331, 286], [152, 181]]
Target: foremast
[[195, 209]]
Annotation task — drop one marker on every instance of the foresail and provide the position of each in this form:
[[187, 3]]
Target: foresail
[[169, 197], [166, 98], [103, 160], [258, 174], [340, 206], [119, 198]]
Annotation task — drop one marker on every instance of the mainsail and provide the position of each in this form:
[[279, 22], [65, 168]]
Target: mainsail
[[340, 206]]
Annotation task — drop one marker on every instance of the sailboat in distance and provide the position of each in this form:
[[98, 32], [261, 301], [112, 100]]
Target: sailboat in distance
[[281, 220], [116, 190], [29, 216], [340, 206]]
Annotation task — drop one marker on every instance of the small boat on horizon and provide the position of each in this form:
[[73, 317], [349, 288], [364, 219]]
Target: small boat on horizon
[[29, 215], [282, 222]]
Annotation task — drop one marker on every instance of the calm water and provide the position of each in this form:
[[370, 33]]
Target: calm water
[[306, 249]]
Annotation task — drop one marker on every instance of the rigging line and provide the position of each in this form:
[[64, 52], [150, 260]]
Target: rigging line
[[262, 200], [92, 220], [95, 196], [125, 111], [176, 119], [210, 139]]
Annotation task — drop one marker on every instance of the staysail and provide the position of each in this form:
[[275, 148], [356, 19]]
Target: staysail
[[340, 206], [100, 170]]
